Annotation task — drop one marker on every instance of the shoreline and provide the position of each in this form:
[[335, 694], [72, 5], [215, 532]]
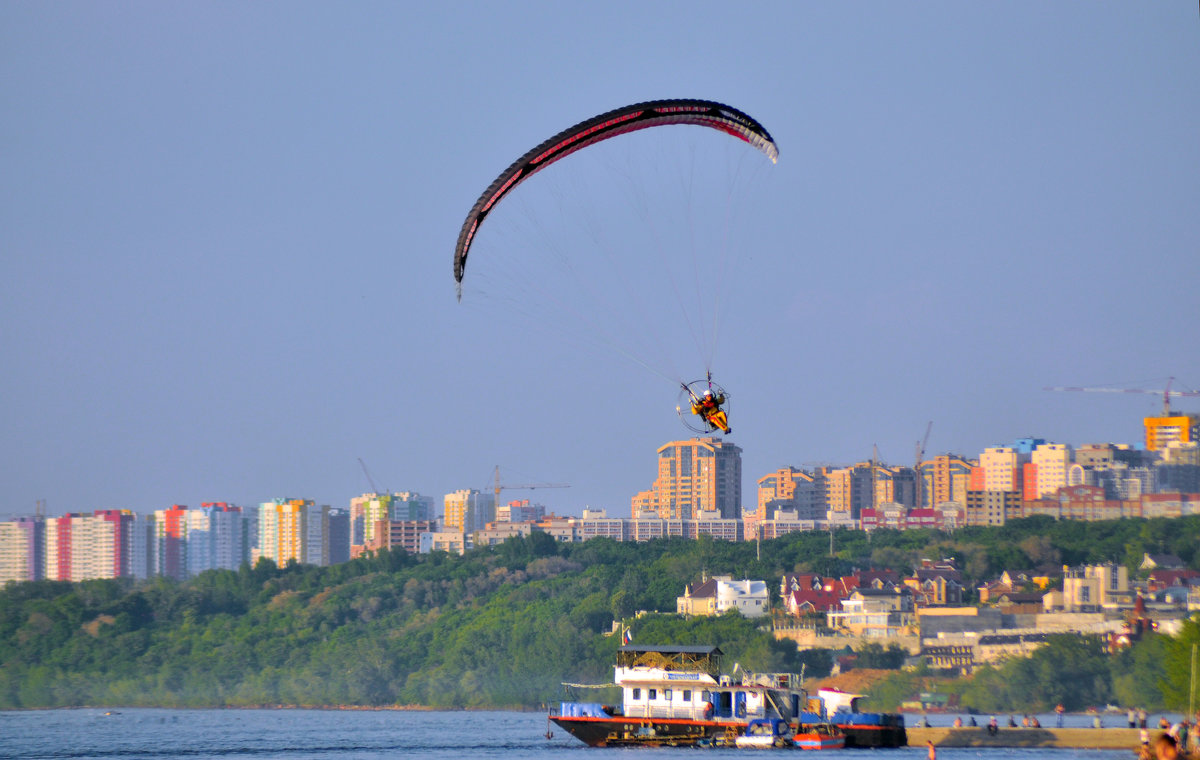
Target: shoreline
[[323, 708], [1062, 738]]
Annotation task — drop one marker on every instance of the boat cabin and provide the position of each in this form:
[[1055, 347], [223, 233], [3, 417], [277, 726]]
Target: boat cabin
[[685, 682]]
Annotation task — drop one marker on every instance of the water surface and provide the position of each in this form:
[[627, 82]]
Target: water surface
[[142, 734]]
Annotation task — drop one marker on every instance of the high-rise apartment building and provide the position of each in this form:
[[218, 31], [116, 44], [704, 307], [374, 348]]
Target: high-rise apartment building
[[945, 478], [1102, 454], [894, 485], [410, 505], [141, 546], [849, 490], [1001, 469], [468, 510], [993, 507], [80, 547], [371, 512], [170, 542], [366, 512], [293, 529], [338, 536], [1182, 453], [1171, 428], [700, 474], [22, 550], [1051, 462], [788, 489], [58, 534], [118, 550], [215, 538]]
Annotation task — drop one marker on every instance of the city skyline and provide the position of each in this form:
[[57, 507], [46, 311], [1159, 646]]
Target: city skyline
[[457, 507], [227, 240]]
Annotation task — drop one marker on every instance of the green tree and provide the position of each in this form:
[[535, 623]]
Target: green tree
[[1177, 666]]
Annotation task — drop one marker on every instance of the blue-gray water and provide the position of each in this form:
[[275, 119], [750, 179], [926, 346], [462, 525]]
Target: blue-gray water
[[137, 734]]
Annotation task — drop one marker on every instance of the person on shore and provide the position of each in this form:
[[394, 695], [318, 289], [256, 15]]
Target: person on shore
[[1132, 716], [1096, 722], [1034, 722], [1145, 751], [1142, 717], [1059, 712], [1012, 722], [1024, 721], [1165, 748], [971, 722], [1179, 732], [958, 721], [993, 726]]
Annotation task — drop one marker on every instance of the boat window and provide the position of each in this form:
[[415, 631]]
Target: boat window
[[653, 694], [667, 694], [687, 695], [705, 697], [637, 693]]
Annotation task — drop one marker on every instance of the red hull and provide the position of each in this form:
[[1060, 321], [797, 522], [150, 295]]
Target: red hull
[[819, 741]]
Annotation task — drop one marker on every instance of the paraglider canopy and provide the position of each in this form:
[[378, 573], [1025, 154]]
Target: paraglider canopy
[[705, 113]]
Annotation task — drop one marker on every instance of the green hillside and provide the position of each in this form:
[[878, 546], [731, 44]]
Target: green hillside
[[499, 627]]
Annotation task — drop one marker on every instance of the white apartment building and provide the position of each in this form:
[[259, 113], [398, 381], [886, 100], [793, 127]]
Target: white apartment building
[[1052, 462], [1001, 469]]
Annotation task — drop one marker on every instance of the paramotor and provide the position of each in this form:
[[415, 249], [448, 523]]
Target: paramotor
[[703, 406]]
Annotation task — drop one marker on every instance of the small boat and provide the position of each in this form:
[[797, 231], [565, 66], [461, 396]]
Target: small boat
[[765, 734], [862, 729], [819, 737]]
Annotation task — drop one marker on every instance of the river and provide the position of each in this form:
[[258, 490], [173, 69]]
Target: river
[[142, 734]]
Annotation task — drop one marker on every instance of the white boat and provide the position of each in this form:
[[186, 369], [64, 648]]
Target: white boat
[[765, 734]]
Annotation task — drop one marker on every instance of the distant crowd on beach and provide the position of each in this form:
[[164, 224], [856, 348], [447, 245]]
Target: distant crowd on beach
[[1174, 741], [1169, 746]]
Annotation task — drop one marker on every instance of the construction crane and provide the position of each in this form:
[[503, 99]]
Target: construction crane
[[1167, 393], [498, 487], [374, 488], [874, 466], [920, 479]]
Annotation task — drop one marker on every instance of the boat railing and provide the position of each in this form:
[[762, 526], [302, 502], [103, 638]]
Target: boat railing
[[686, 712]]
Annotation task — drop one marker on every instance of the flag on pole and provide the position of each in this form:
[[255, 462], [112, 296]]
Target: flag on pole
[[627, 637]]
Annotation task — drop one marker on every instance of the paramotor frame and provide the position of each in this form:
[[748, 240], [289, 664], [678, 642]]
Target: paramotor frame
[[689, 394]]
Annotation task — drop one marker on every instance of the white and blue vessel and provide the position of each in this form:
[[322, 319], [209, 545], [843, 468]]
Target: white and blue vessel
[[677, 696]]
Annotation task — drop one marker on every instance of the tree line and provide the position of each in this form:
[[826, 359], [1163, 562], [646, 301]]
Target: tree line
[[1075, 671], [500, 626]]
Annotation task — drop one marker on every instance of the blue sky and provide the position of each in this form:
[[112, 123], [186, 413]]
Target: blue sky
[[226, 235]]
